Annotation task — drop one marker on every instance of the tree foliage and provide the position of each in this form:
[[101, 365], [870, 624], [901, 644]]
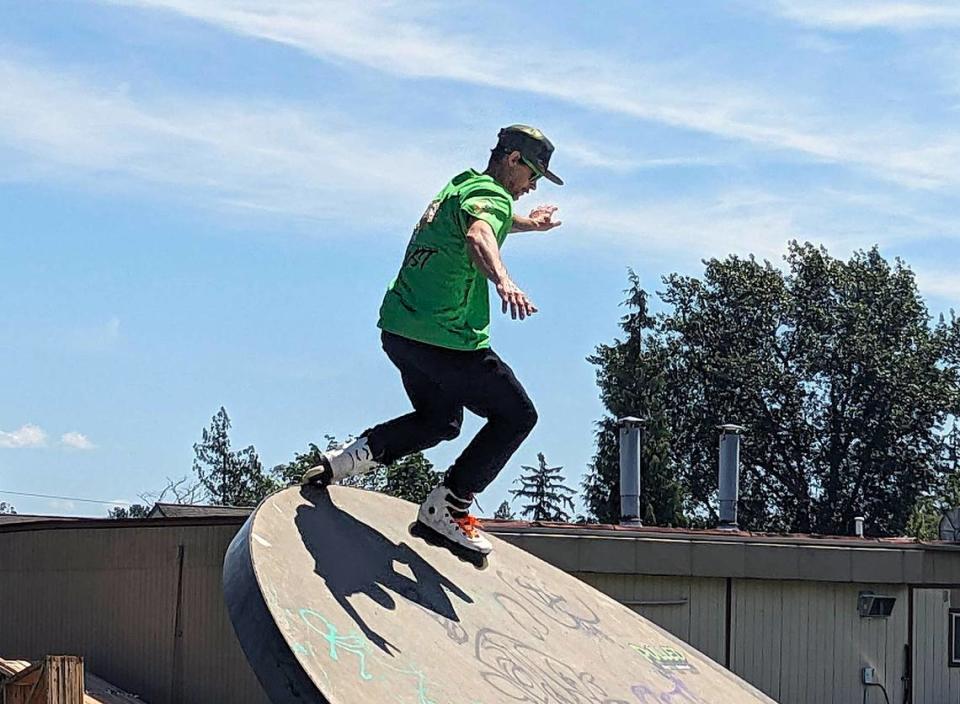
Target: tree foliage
[[543, 489], [229, 478], [132, 511], [410, 478], [924, 521], [504, 512], [7, 508], [632, 378], [843, 380]]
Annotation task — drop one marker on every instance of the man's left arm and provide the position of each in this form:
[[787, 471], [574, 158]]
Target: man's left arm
[[539, 220]]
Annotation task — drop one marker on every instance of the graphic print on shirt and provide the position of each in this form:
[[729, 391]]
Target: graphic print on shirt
[[418, 256], [428, 215]]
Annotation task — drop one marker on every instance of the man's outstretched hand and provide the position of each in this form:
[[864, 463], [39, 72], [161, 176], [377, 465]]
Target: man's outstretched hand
[[542, 217], [515, 299], [539, 220]]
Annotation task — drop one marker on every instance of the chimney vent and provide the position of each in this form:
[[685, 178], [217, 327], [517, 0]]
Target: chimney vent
[[729, 475], [631, 431]]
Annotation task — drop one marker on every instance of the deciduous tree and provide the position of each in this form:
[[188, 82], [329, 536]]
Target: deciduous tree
[[836, 368]]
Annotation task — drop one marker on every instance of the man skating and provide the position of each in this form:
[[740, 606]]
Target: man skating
[[435, 322]]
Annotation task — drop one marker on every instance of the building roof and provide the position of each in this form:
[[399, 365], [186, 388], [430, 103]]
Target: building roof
[[643, 550], [510, 526], [195, 511], [9, 518]]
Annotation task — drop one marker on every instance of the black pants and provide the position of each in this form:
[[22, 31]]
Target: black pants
[[441, 383]]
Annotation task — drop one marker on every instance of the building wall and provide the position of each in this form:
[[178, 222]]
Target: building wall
[[805, 641], [110, 593], [799, 642], [689, 607], [111, 596], [934, 680]]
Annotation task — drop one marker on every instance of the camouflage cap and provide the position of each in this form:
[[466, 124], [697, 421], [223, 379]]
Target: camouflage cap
[[533, 146]]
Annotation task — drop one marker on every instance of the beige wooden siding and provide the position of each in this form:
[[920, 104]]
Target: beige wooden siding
[[933, 681], [211, 663], [699, 620], [109, 595], [804, 642]]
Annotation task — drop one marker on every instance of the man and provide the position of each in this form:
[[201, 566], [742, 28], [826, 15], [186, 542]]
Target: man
[[435, 322]]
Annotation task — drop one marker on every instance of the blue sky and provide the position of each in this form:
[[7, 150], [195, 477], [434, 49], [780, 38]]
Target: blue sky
[[203, 200]]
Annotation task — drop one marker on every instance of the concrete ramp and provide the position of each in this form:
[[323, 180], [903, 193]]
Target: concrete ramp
[[333, 601]]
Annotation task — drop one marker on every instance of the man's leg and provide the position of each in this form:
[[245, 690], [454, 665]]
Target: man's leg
[[492, 391], [488, 387], [437, 415]]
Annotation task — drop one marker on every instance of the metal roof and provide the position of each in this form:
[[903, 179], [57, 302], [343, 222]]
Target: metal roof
[[8, 518], [196, 510]]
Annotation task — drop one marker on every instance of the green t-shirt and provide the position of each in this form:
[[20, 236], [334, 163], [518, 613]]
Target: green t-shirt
[[440, 296]]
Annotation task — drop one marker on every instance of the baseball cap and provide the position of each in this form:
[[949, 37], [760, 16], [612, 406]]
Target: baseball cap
[[533, 146]]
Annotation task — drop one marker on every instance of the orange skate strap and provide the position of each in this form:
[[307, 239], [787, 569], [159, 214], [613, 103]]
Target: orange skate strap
[[469, 525]]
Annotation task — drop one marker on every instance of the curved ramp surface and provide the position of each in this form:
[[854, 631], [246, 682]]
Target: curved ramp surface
[[333, 601]]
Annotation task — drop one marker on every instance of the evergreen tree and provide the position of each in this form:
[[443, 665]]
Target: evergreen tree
[[504, 513], [543, 488], [229, 478], [632, 376]]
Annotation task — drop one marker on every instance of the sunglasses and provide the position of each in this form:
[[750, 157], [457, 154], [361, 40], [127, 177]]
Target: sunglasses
[[535, 171]]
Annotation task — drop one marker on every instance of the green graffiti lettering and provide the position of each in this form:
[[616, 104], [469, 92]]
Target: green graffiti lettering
[[353, 642]]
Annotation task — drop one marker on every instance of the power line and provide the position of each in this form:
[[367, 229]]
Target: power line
[[65, 498]]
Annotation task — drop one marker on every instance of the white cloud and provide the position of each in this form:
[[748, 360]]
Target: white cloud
[[735, 222], [686, 97], [26, 436], [591, 156], [76, 440], [62, 506], [867, 14], [256, 157]]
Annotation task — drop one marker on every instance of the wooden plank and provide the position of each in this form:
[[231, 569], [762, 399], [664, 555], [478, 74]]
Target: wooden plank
[[91, 688]]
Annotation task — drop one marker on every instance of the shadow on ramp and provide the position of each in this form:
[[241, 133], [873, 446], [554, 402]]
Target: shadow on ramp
[[354, 558]]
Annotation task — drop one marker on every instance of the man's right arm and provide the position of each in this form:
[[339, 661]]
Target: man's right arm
[[485, 253]]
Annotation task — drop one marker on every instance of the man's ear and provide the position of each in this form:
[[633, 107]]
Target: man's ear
[[514, 158]]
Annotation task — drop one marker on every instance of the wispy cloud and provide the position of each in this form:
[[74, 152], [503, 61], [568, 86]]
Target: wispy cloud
[[689, 98], [76, 440], [96, 338], [869, 14], [943, 284], [62, 506], [26, 436], [257, 157], [739, 222], [590, 156]]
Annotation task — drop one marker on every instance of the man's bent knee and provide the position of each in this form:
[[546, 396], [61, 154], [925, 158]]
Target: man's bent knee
[[525, 418], [445, 428]]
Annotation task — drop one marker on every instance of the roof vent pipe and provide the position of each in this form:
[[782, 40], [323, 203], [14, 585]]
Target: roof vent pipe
[[858, 526], [631, 431], [729, 475]]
